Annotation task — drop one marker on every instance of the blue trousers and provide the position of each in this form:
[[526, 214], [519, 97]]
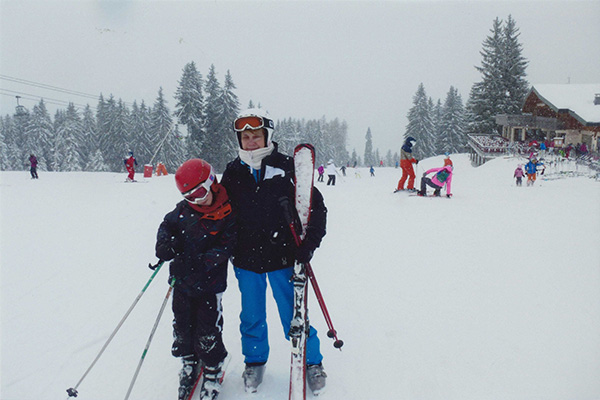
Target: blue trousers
[[253, 318]]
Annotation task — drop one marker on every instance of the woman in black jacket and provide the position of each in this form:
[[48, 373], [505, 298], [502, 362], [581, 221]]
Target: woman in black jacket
[[257, 181]]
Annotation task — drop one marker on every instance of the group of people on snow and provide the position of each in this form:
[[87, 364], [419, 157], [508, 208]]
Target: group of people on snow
[[241, 219], [531, 169], [440, 176], [331, 170]]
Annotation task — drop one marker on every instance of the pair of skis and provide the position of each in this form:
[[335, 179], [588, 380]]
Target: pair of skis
[[304, 167]]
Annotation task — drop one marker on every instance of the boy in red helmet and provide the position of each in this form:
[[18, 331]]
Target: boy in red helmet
[[198, 236]]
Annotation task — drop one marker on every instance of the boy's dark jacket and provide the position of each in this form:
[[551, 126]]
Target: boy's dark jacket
[[265, 242], [199, 248]]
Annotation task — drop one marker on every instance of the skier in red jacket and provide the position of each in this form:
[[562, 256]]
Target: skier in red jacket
[[406, 163], [130, 164]]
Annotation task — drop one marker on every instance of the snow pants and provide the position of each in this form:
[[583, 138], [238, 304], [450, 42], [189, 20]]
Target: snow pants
[[131, 173], [331, 180], [427, 181], [253, 318], [408, 172], [198, 327]]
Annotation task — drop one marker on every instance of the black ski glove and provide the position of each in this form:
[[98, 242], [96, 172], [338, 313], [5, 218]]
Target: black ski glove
[[305, 252]]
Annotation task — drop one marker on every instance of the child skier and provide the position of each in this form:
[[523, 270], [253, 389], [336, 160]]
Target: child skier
[[519, 174], [198, 235], [447, 160], [321, 171], [531, 170], [130, 164], [443, 176]]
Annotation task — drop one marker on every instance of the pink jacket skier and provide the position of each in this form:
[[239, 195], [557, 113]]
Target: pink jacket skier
[[519, 174], [443, 176]]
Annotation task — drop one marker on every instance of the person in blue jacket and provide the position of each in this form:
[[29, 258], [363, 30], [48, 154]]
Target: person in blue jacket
[[531, 169]]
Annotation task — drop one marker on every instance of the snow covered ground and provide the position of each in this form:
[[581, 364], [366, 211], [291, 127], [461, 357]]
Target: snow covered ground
[[494, 294]]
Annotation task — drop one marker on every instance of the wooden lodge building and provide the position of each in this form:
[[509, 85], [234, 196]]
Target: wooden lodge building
[[561, 115], [564, 114]]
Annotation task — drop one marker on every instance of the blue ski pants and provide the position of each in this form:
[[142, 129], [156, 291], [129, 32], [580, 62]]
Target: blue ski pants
[[253, 318]]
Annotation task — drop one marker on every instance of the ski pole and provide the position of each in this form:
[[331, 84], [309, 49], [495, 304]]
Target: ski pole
[[73, 391], [331, 333], [162, 309]]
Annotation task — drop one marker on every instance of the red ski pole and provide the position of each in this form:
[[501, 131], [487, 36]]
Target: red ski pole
[[331, 333]]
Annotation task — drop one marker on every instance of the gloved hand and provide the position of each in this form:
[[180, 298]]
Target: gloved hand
[[424, 174], [305, 252], [449, 195], [153, 267], [416, 161]]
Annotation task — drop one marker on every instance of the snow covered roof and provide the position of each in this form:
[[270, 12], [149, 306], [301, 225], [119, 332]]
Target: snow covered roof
[[578, 98]]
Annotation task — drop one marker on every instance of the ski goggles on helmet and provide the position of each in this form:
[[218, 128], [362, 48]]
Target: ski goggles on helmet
[[252, 122], [199, 193]]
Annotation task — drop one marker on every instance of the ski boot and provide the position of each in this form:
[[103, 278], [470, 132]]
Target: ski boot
[[316, 378], [253, 376], [187, 376], [437, 193], [421, 194], [211, 383]]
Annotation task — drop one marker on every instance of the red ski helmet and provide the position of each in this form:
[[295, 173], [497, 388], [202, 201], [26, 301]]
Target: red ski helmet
[[194, 178]]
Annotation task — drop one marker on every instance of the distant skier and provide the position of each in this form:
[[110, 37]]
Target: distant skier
[[406, 163], [447, 160], [519, 174], [443, 176], [198, 235], [372, 171], [33, 169], [130, 164], [331, 173], [531, 170], [321, 171]]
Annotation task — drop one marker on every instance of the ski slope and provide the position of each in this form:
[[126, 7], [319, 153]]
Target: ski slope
[[493, 294]]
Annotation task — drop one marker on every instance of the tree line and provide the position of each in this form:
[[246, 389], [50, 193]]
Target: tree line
[[443, 127], [201, 123]]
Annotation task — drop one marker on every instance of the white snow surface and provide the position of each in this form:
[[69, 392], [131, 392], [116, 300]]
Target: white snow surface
[[493, 294]]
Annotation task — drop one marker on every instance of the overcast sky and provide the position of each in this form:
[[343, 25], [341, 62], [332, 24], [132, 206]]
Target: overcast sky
[[357, 61]]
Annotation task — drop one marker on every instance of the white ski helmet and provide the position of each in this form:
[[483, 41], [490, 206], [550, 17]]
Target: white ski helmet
[[254, 118]]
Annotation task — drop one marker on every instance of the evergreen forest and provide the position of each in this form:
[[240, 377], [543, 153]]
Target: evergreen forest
[[98, 137]]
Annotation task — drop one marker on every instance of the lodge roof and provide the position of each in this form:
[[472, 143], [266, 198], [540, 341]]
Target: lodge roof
[[577, 99]]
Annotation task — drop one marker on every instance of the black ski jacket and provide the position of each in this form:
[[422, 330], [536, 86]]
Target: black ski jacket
[[265, 242], [200, 249]]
